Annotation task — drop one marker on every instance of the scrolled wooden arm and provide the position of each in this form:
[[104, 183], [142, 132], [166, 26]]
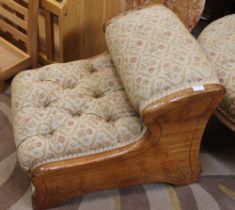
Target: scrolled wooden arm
[[168, 152]]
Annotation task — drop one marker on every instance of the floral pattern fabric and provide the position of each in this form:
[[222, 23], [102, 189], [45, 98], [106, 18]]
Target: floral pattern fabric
[[189, 11], [84, 107], [218, 41], [68, 110], [155, 55]]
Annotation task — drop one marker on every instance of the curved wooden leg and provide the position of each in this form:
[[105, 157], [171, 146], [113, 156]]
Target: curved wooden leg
[[2, 86]]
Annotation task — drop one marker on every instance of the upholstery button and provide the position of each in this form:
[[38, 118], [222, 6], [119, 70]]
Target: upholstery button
[[77, 114], [93, 69], [51, 132], [46, 104], [109, 119], [98, 95]]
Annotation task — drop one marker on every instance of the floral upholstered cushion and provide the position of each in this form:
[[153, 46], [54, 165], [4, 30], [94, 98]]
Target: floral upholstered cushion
[[68, 110], [189, 11], [155, 55], [218, 41]]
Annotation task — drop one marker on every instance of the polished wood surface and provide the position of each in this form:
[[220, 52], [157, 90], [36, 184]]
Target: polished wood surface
[[11, 59], [17, 22], [9, 54], [168, 152], [73, 29], [32, 43]]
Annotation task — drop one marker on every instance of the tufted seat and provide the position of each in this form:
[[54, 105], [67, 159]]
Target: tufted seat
[[218, 41], [135, 114], [63, 110], [69, 110]]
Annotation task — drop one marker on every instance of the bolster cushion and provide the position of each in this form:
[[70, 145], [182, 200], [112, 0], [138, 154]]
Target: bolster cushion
[[155, 55]]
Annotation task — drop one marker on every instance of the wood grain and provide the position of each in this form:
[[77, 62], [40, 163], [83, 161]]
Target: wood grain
[[13, 18], [32, 43], [83, 32], [76, 29], [49, 32], [13, 58], [17, 7], [168, 152], [6, 27]]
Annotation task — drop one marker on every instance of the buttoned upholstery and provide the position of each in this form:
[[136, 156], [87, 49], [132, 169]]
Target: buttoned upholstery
[[84, 107], [218, 41], [155, 55], [74, 109]]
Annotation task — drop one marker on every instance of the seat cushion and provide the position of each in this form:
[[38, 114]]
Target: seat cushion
[[155, 55], [68, 110], [218, 41]]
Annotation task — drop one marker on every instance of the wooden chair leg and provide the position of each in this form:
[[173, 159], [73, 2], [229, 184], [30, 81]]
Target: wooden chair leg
[[2, 86]]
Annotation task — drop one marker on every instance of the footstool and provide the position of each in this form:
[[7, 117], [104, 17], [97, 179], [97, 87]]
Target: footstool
[[218, 41], [135, 114]]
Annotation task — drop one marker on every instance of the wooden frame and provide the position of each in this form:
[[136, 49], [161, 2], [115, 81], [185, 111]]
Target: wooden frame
[[168, 152], [20, 31]]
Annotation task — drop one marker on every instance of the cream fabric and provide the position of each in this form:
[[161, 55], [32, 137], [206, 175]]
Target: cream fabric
[[189, 11], [69, 110], [155, 55], [218, 41]]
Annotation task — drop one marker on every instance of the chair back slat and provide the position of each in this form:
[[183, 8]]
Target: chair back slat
[[18, 18], [16, 6], [10, 16], [8, 28]]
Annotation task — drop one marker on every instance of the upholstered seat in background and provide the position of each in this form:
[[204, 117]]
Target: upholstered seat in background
[[218, 41], [134, 115]]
